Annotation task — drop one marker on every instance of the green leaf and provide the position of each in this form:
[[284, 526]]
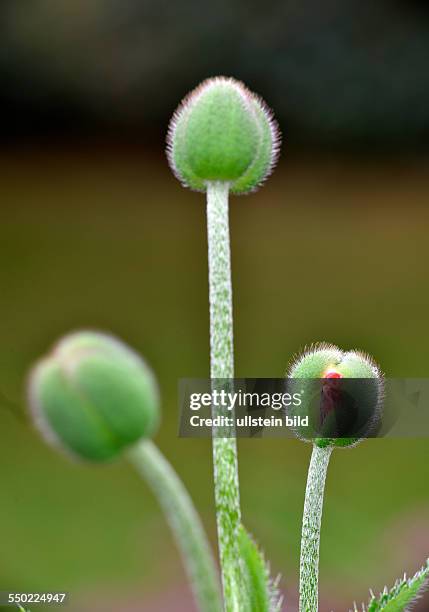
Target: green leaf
[[261, 590], [404, 592]]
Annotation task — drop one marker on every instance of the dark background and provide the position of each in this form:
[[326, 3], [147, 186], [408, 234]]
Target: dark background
[[96, 232], [343, 74]]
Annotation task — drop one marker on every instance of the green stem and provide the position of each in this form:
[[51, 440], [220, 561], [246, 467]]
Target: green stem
[[227, 498], [184, 522], [311, 523]]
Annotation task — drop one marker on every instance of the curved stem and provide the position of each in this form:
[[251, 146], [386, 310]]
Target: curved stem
[[227, 498], [311, 523], [184, 522]]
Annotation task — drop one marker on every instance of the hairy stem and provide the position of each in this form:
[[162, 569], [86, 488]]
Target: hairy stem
[[227, 498], [184, 522], [311, 523]]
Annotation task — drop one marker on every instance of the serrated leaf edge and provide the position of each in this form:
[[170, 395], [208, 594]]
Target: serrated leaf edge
[[388, 596]]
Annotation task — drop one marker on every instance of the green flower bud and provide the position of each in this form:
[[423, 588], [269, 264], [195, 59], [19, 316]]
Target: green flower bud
[[222, 132], [340, 391], [93, 396]]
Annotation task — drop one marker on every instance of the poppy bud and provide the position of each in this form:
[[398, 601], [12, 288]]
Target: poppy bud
[[222, 132], [93, 396], [341, 393]]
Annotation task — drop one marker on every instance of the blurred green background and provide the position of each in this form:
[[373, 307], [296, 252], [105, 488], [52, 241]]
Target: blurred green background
[[95, 232]]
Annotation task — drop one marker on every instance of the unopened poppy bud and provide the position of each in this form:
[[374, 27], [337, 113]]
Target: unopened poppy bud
[[341, 393], [93, 396], [222, 132]]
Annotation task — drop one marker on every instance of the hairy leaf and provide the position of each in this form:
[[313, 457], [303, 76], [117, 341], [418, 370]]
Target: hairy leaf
[[404, 592], [261, 590]]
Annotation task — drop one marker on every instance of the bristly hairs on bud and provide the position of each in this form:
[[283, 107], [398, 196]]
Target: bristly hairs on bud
[[222, 139], [259, 158], [319, 361], [338, 355]]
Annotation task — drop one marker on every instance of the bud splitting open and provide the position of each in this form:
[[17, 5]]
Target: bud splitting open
[[342, 394]]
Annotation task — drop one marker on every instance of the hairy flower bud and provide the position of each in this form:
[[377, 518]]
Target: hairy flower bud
[[342, 393], [93, 396], [222, 132]]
